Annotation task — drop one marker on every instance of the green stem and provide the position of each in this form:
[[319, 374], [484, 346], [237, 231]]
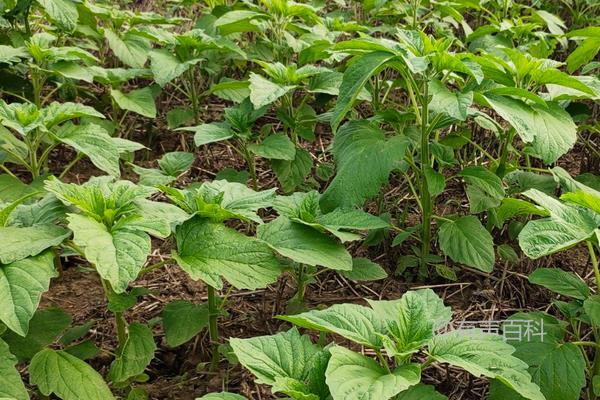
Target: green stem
[[120, 322], [213, 315], [596, 366], [425, 195], [501, 170]]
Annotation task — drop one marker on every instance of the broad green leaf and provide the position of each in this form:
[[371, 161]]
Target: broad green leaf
[[21, 242], [558, 368], [352, 321], [158, 219], [7, 209], [292, 174], [584, 199], [152, 176], [69, 378], [284, 355], [510, 208], [44, 329], [484, 188], [591, 305], [240, 199], [364, 269], [221, 396], [209, 133], [21, 286], [183, 320], [566, 226], [132, 50], [139, 101], [304, 245], [208, 251], [62, 12], [466, 241], [176, 162], [421, 392], [561, 282], [118, 254], [11, 385], [12, 189], [355, 78], [483, 354], [93, 141], [360, 143], [585, 52], [166, 67], [56, 113], [264, 92], [275, 147], [134, 355], [551, 131], [444, 101], [352, 376], [412, 319], [435, 180]]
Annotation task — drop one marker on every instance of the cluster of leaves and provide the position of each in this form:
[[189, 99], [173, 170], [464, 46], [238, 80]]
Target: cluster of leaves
[[479, 95]]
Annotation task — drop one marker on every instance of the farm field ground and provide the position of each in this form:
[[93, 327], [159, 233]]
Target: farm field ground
[[312, 200]]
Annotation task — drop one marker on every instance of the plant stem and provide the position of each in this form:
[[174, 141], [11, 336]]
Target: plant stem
[[596, 365], [213, 330], [501, 170], [301, 283], [425, 196], [120, 322]]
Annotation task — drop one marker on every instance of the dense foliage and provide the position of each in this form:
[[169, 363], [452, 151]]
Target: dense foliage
[[470, 112]]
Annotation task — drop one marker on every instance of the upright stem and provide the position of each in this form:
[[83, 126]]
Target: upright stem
[[501, 170], [120, 322], [425, 196], [596, 367], [213, 330], [301, 283]]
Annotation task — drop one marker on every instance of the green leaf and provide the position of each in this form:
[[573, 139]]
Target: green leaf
[[158, 219], [561, 282], [139, 101], [558, 368], [93, 141], [585, 52], [221, 396], [132, 50], [364, 269], [166, 67], [292, 174], [443, 101], [412, 319], [567, 226], [435, 181], [466, 241], [44, 329], [183, 320], [21, 242], [11, 385], [421, 392], [176, 162], [591, 305], [118, 254], [354, 322], [62, 12], [264, 92], [484, 354], [208, 251], [352, 376], [551, 131], [360, 143], [304, 245], [275, 147], [484, 188], [209, 133], [134, 355], [67, 377], [57, 113], [284, 355], [355, 78], [21, 286]]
